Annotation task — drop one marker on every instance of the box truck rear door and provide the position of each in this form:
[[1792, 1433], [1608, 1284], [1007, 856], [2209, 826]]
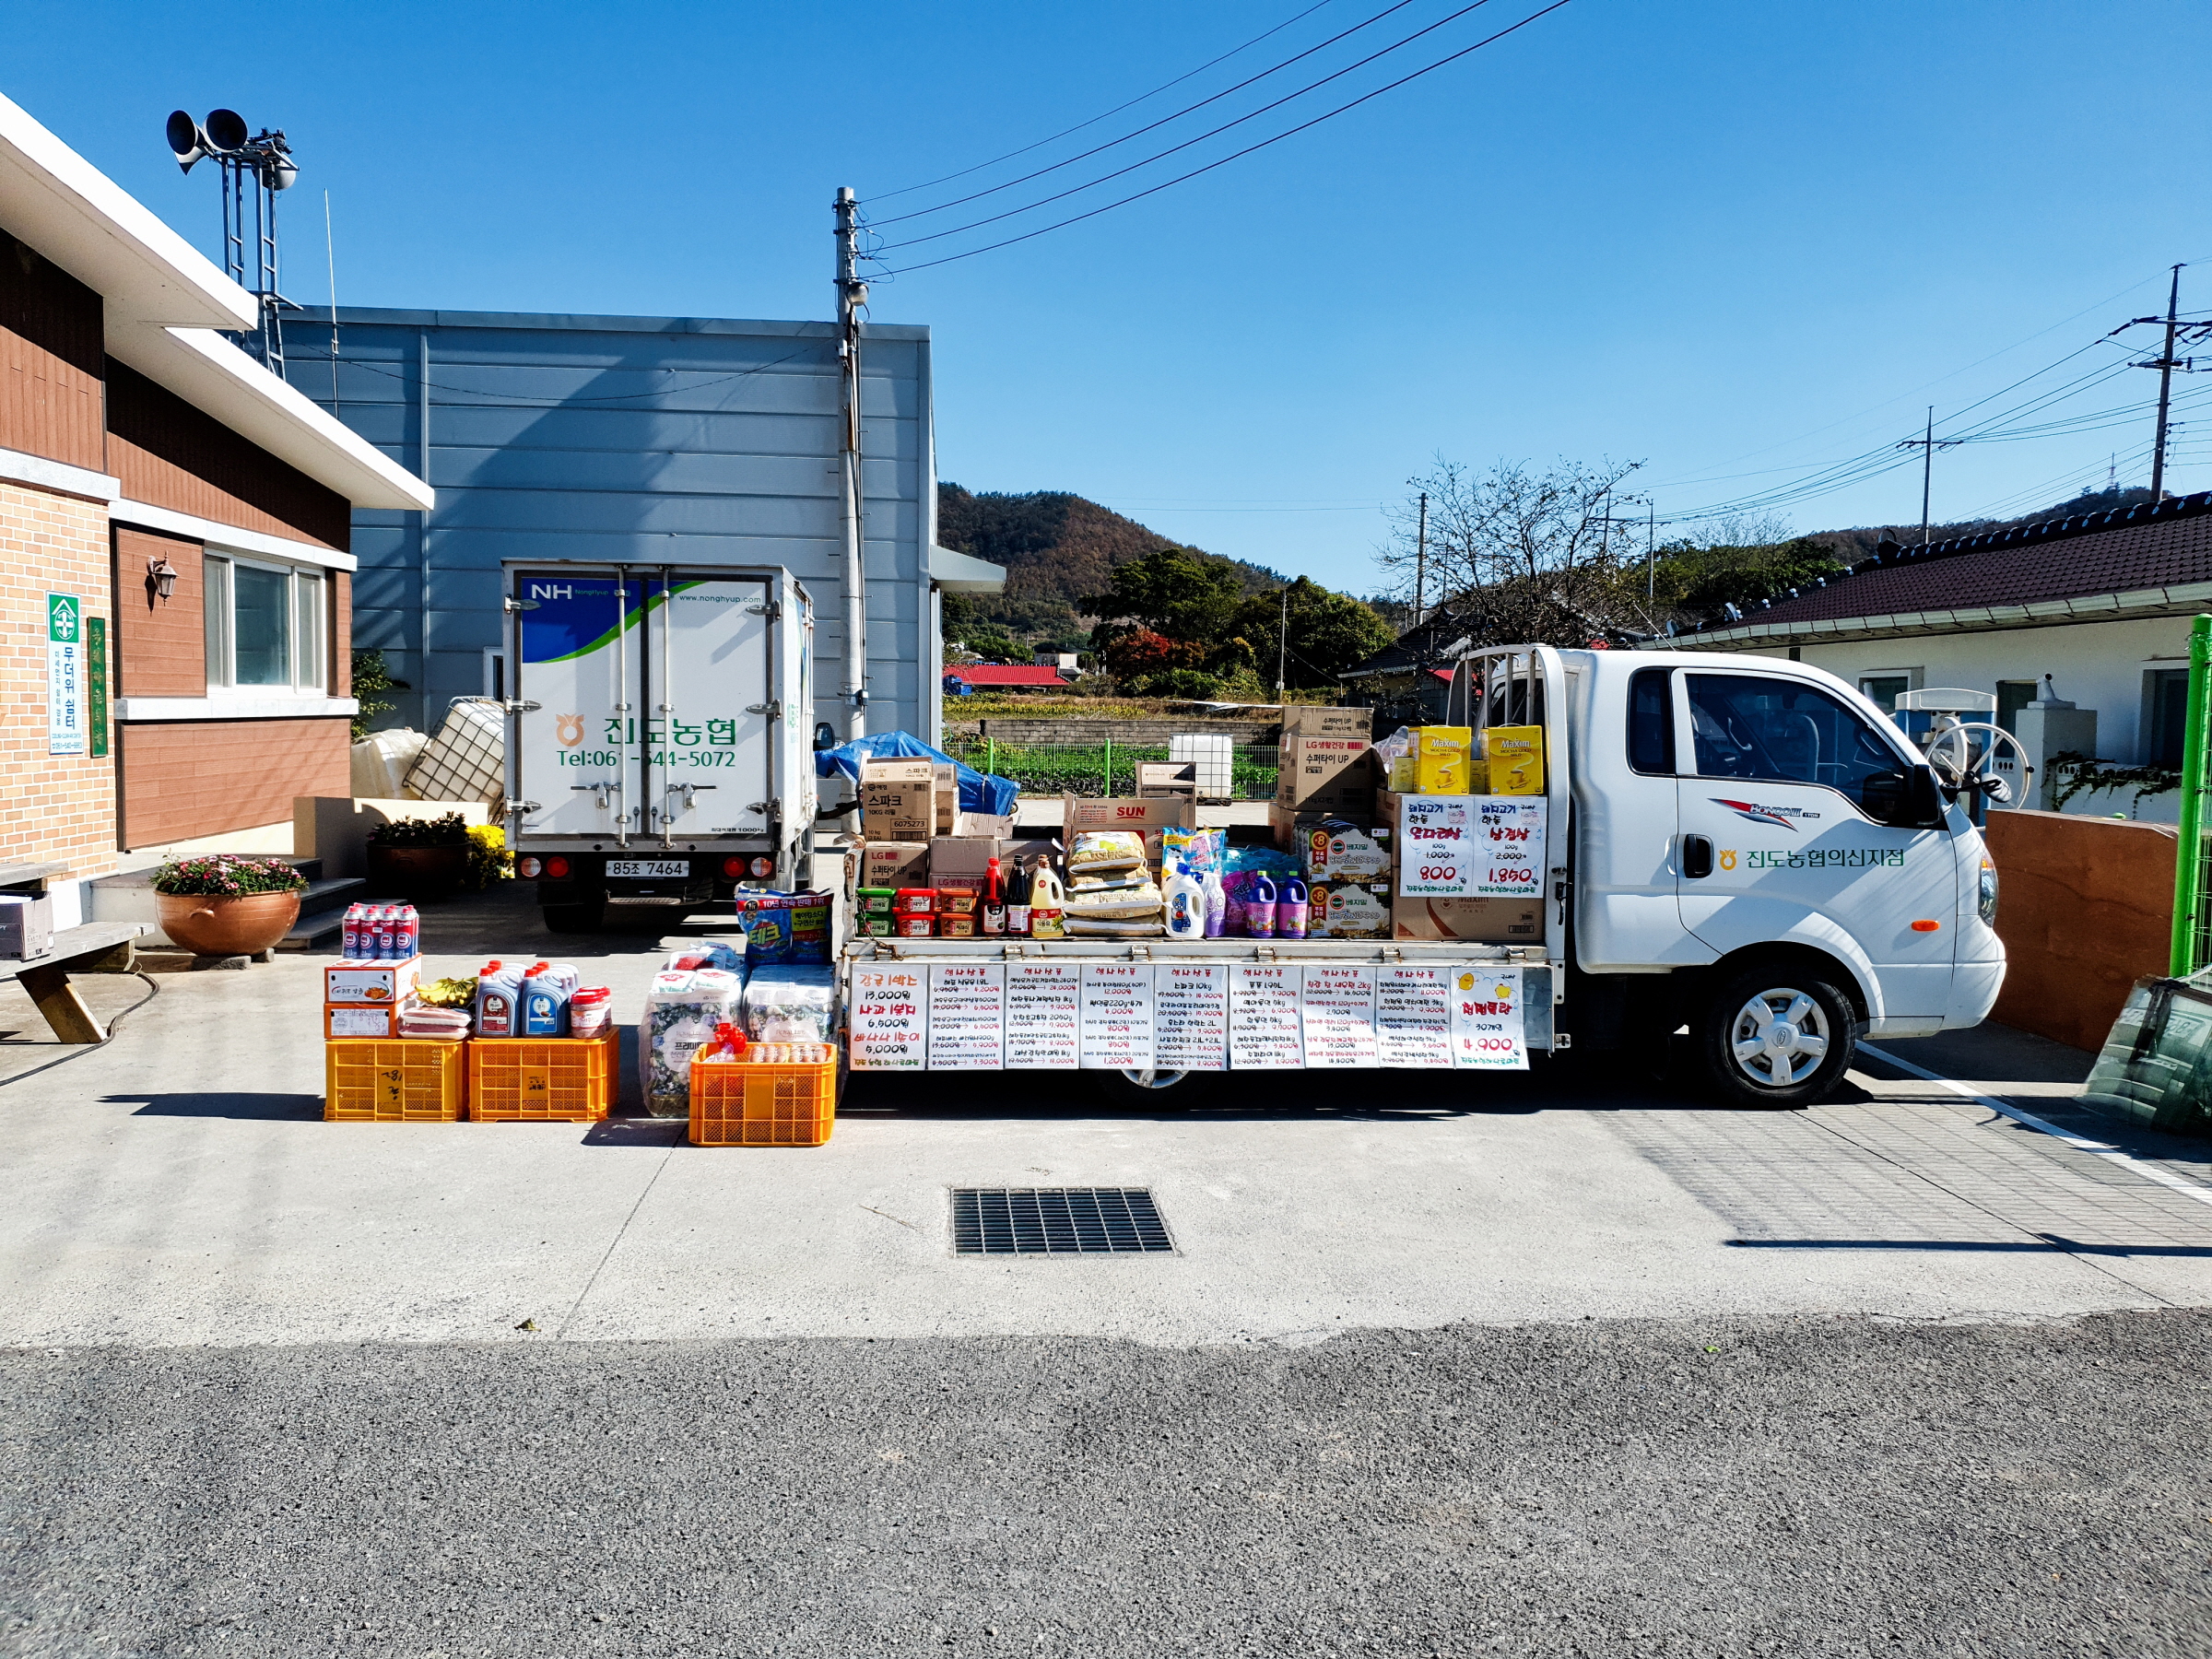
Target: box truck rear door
[[577, 661], [711, 733]]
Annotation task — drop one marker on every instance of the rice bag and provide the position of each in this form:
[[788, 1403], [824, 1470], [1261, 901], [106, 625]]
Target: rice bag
[[1097, 851], [791, 1004], [682, 1008], [1112, 903]]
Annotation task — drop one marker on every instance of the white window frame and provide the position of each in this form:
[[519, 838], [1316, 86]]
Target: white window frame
[[307, 601]]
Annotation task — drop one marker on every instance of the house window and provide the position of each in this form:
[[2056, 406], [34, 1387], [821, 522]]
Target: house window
[[267, 625], [2012, 697], [1884, 689], [2166, 700]]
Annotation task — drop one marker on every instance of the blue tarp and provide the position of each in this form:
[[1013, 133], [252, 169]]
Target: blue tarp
[[979, 792]]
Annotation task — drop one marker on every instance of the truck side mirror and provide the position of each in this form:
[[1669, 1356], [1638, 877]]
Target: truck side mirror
[[1904, 800]]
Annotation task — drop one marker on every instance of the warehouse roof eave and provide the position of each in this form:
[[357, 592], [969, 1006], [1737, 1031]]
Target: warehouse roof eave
[[965, 573]]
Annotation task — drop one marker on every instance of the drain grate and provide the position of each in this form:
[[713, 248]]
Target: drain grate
[[1057, 1221]]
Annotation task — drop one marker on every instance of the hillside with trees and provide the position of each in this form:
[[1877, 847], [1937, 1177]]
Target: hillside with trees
[[1158, 619]]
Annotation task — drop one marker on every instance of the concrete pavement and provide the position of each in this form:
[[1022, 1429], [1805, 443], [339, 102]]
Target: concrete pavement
[[179, 1187]]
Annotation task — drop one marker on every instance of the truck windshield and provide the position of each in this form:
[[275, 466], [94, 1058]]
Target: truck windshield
[[1749, 726]]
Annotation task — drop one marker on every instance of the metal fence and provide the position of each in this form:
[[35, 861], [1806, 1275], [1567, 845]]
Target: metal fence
[[1096, 770], [2192, 861]]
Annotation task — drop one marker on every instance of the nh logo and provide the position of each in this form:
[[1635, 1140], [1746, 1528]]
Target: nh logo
[[552, 590]]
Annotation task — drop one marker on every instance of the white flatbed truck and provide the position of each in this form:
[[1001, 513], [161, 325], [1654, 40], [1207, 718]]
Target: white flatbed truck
[[1740, 845]]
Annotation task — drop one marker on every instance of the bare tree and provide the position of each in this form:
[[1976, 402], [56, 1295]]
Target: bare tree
[[1738, 529], [1514, 553]]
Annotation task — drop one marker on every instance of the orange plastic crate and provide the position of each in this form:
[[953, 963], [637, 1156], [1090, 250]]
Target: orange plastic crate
[[542, 1079], [744, 1104], [393, 1081]]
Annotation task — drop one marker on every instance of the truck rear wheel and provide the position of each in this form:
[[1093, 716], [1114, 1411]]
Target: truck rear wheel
[[575, 918], [1776, 1035]]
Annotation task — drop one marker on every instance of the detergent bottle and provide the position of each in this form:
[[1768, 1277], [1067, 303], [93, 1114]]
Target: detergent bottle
[[1216, 903], [1259, 907], [1291, 907], [1185, 897]]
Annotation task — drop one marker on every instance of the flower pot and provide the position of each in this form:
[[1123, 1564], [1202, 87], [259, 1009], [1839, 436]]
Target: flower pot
[[207, 926], [417, 872]]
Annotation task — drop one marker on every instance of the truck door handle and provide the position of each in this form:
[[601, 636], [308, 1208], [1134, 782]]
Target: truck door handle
[[1697, 857]]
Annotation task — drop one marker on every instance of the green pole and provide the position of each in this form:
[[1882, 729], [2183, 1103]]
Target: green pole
[[991, 756], [2188, 854], [1109, 769]]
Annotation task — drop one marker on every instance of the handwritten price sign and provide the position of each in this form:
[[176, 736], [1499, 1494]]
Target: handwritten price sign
[[890, 1018], [1485, 1020], [1508, 836]]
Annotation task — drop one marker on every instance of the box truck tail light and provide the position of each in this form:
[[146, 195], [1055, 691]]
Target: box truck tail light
[[528, 868], [733, 867], [557, 866]]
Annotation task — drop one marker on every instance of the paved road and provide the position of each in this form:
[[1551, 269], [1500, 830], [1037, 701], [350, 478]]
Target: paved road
[[1681, 1488]]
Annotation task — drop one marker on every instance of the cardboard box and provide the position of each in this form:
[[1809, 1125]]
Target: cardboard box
[[1299, 720], [897, 801], [1325, 774], [1444, 761], [1167, 780], [1515, 760], [962, 863], [1477, 921], [970, 824], [945, 784], [26, 925], [1147, 817], [1350, 910], [358, 1019], [373, 984], [1339, 849], [891, 863]]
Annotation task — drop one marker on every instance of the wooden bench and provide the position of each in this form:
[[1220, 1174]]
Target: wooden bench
[[47, 977]]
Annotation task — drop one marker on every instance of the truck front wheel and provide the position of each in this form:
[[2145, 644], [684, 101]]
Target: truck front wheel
[[1776, 1035]]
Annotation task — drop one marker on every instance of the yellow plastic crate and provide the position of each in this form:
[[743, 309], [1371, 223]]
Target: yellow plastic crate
[[749, 1104], [393, 1081], [542, 1079]]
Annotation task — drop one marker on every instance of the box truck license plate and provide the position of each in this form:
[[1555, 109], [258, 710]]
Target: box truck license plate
[[676, 867]]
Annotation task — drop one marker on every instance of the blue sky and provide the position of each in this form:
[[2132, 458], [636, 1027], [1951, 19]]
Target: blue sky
[[1735, 242]]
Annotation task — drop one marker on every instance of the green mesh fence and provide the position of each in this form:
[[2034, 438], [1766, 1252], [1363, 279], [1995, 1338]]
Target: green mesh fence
[[1097, 770]]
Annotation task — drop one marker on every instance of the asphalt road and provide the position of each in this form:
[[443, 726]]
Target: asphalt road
[[1813, 1486]]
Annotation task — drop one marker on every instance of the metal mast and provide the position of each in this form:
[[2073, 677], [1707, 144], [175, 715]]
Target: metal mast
[[851, 294], [2158, 451]]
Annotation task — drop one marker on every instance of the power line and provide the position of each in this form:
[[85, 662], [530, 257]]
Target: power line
[[930, 184], [1163, 121], [1175, 148], [1224, 162]]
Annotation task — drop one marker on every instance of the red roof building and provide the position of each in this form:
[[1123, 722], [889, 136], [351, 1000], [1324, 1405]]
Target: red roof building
[[996, 675]]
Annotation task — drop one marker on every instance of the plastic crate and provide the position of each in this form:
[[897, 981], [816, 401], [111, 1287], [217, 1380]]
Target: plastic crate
[[748, 1104], [542, 1079], [393, 1081]]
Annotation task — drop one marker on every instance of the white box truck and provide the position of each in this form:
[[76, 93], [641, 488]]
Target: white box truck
[[658, 732], [1737, 845]]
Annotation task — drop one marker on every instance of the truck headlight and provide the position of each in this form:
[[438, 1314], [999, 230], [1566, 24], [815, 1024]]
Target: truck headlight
[[1986, 899]]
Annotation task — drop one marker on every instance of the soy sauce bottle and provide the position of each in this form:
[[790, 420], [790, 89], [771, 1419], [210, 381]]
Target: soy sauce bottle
[[994, 903], [1018, 902]]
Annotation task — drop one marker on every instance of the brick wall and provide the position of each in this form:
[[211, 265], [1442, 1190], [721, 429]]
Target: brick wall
[[53, 808]]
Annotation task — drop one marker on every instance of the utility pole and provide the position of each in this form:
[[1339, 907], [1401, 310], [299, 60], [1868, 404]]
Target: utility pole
[[1282, 643], [2158, 448], [1929, 445], [1650, 548], [851, 294], [1420, 561], [2177, 333]]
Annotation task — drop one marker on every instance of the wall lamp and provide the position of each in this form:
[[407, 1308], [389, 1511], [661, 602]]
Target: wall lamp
[[161, 580]]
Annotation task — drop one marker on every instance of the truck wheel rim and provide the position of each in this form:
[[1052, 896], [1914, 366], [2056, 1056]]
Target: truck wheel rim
[[1779, 1038], [1154, 1079]]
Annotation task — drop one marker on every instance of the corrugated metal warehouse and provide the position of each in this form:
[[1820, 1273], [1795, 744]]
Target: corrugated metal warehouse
[[671, 440]]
